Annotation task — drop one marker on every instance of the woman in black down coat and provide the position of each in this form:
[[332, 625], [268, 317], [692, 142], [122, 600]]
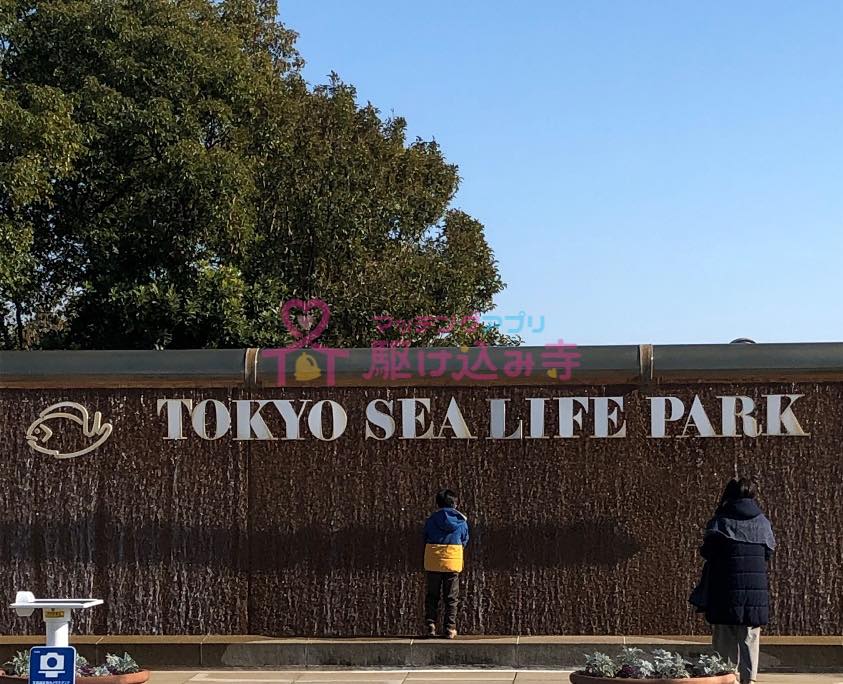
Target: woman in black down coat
[[738, 543]]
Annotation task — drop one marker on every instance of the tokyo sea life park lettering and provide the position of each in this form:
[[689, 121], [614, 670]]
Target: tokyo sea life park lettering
[[772, 415]]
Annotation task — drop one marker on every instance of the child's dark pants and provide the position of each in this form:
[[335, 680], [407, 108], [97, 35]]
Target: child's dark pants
[[446, 586]]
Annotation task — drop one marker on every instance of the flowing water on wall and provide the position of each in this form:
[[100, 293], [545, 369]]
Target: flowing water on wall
[[569, 536]]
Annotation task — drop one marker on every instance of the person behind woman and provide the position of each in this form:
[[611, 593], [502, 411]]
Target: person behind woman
[[737, 544]]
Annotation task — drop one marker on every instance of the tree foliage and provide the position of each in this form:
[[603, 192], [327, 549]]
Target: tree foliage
[[167, 179]]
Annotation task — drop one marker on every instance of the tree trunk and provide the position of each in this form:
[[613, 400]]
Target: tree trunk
[[19, 322], [4, 330]]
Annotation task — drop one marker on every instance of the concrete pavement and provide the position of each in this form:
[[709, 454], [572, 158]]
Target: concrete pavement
[[417, 677]]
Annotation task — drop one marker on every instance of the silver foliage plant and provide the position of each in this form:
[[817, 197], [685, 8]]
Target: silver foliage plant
[[599, 665], [114, 665], [713, 665], [670, 665], [632, 664], [18, 665], [124, 664]]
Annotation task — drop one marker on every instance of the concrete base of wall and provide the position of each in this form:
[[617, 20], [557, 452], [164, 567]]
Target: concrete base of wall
[[778, 654]]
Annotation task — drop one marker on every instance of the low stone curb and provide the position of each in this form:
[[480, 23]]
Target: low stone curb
[[778, 654]]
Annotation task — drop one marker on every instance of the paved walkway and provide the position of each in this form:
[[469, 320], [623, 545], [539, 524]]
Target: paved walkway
[[418, 677]]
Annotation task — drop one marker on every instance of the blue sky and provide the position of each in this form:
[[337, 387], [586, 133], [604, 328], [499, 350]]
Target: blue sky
[[665, 172]]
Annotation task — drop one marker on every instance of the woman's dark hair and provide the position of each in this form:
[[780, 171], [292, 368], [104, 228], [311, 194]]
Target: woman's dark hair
[[445, 498], [743, 488]]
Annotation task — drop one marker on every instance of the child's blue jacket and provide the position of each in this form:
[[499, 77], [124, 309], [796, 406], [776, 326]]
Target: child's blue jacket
[[445, 535]]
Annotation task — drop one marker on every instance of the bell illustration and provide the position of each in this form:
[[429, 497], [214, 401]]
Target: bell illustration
[[306, 368]]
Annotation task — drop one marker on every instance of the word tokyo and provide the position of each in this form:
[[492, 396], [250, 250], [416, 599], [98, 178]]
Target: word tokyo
[[424, 418]]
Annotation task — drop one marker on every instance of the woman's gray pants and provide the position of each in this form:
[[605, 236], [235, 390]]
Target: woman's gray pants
[[740, 645]]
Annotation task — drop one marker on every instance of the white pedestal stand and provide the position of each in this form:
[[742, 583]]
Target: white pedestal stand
[[56, 613]]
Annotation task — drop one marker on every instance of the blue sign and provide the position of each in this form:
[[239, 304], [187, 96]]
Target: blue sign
[[52, 665]]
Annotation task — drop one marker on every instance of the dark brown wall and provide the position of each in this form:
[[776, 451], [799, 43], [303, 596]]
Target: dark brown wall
[[581, 536]]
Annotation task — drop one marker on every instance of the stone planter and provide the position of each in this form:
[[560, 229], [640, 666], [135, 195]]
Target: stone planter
[[719, 679], [134, 678]]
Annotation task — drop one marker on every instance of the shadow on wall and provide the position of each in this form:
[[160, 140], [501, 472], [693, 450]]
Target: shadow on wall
[[590, 542]]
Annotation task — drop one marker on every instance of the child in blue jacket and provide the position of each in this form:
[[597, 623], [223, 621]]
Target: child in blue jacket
[[445, 536]]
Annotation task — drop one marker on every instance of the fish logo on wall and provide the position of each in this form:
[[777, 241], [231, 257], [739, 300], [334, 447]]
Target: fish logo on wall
[[39, 433]]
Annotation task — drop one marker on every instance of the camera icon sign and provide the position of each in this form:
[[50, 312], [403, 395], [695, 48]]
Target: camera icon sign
[[51, 664]]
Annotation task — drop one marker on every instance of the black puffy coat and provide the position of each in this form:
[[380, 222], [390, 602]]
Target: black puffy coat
[[737, 592]]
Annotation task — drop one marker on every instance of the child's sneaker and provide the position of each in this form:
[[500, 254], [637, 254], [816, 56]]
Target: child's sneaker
[[430, 631], [450, 633]]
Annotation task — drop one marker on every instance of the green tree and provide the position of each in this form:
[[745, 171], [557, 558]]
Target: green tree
[[167, 178]]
